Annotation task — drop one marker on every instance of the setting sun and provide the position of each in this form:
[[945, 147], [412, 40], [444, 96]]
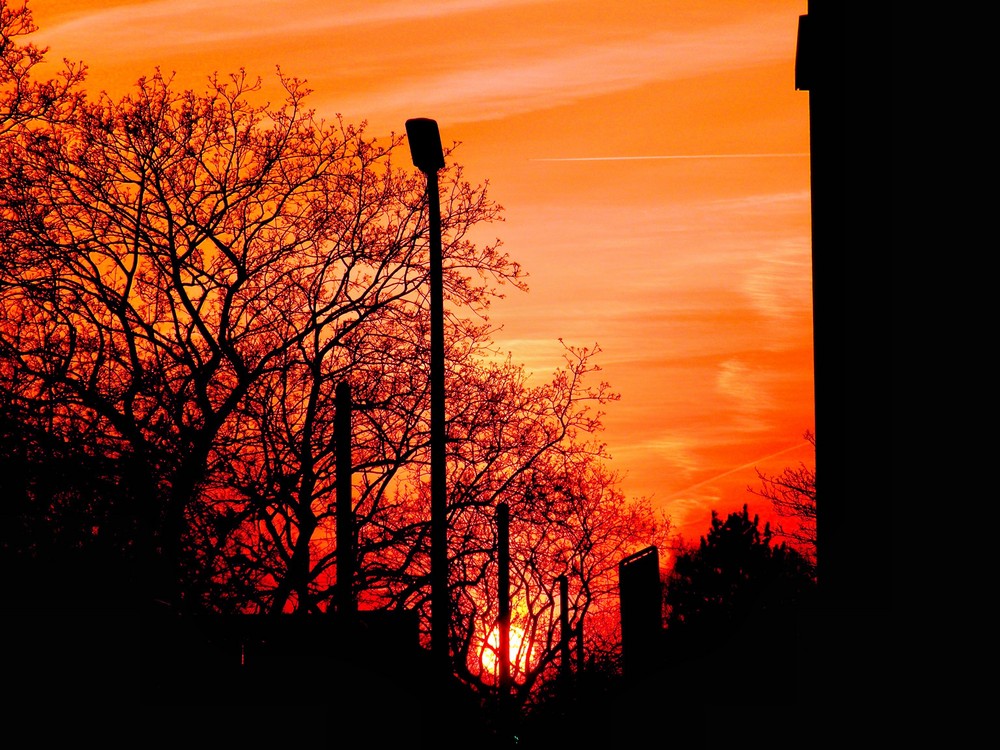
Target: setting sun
[[521, 653]]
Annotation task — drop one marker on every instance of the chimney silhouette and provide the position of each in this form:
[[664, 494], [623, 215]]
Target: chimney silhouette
[[641, 612]]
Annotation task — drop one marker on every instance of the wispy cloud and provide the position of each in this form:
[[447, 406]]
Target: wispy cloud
[[671, 156], [477, 90], [735, 470], [191, 23], [462, 80]]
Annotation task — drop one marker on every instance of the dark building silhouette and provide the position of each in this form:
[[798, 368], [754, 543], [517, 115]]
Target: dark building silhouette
[[850, 637], [851, 217], [641, 603]]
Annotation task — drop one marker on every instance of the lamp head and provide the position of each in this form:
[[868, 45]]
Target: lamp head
[[425, 144]]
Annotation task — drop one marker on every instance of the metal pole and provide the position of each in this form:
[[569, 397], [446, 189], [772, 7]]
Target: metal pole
[[345, 513], [564, 661], [503, 584], [439, 530]]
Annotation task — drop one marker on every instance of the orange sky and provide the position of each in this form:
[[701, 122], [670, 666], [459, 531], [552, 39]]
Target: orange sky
[[652, 158]]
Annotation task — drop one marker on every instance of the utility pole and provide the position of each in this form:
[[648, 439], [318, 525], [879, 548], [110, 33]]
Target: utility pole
[[503, 584], [345, 512], [564, 647]]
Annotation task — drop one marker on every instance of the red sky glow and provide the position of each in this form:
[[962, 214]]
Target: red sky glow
[[652, 160]]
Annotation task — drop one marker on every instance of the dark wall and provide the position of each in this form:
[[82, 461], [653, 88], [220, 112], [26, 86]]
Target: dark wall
[[849, 648], [842, 52]]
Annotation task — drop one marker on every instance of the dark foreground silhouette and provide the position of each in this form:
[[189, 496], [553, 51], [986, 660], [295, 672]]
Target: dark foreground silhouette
[[831, 665]]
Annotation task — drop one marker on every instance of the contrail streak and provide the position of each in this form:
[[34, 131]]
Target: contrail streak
[[673, 156], [735, 470]]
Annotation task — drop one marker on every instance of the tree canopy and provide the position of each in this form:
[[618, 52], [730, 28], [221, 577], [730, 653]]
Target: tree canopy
[[186, 277], [733, 574]]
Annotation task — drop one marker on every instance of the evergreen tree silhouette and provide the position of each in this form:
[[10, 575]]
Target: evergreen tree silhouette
[[734, 575]]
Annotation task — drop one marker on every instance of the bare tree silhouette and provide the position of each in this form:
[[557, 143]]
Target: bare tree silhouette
[[187, 278], [792, 494]]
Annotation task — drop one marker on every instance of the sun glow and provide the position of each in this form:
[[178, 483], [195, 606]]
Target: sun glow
[[521, 652]]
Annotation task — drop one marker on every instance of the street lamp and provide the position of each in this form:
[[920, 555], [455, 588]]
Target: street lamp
[[428, 157]]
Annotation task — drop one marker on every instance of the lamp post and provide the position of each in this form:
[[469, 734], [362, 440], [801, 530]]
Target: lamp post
[[428, 157]]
